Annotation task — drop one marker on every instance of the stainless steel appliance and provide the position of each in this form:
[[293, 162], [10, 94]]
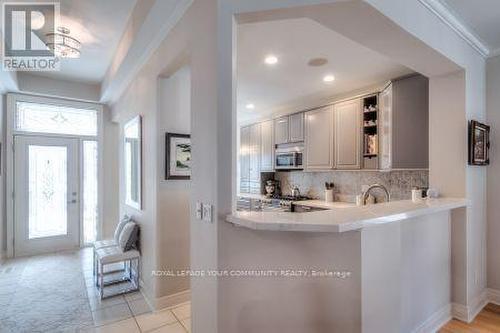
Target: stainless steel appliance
[[288, 157]]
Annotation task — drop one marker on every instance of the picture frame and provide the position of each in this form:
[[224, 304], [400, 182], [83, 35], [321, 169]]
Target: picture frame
[[479, 143], [177, 156]]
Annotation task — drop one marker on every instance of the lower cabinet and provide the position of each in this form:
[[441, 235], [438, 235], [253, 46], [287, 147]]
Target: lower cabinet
[[348, 134], [319, 139]]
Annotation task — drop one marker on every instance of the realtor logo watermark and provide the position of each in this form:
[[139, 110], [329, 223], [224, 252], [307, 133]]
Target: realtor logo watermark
[[25, 28]]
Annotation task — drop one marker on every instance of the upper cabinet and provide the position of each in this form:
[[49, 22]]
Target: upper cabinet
[[348, 134], [267, 146], [404, 124], [289, 129], [296, 124], [255, 144], [319, 139]]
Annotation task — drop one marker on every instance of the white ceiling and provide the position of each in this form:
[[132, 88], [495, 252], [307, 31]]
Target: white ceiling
[[482, 17], [99, 26], [285, 86]]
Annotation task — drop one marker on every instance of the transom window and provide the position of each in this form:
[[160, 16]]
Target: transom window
[[56, 119]]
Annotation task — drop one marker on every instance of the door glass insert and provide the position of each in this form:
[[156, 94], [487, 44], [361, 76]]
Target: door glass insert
[[57, 119], [90, 191], [48, 186]]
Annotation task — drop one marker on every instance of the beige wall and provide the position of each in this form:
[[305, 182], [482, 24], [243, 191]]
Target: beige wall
[[192, 42], [173, 195], [493, 107]]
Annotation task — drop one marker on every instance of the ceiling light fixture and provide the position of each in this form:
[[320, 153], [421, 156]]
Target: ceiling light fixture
[[62, 44], [271, 60], [250, 106], [329, 78]]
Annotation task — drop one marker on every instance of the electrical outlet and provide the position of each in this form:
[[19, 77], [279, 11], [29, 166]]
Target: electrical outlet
[[199, 210], [207, 213]]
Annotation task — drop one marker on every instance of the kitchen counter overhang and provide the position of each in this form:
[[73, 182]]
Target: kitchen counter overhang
[[341, 218]]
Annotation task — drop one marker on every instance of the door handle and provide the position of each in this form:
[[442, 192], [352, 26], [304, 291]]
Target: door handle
[[72, 201]]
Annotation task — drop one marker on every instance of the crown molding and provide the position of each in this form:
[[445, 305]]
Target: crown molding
[[445, 14]]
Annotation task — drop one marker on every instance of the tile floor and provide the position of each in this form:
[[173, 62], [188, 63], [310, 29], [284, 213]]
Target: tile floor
[[56, 293]]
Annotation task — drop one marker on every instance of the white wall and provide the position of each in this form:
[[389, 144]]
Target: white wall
[[40, 85], [3, 217], [412, 36], [173, 195], [493, 107], [192, 41], [110, 161]]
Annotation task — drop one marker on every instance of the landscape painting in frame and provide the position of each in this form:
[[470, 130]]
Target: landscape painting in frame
[[178, 156], [479, 143]]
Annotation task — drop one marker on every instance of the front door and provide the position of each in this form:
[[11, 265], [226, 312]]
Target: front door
[[46, 195]]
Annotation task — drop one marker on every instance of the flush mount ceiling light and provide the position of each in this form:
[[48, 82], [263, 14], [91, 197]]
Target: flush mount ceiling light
[[250, 106], [271, 60], [328, 78], [62, 44]]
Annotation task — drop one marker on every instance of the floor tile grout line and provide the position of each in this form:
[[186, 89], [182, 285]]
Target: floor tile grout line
[[179, 321], [133, 315]]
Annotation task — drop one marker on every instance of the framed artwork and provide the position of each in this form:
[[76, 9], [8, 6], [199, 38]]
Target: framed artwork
[[178, 156], [479, 143]]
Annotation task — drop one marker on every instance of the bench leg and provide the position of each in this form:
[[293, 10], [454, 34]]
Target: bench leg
[[101, 277]]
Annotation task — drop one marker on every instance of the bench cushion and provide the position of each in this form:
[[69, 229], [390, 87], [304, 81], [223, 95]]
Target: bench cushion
[[113, 254], [104, 243]]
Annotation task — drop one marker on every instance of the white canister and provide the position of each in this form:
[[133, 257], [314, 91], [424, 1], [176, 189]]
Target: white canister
[[416, 195], [359, 200], [328, 195]]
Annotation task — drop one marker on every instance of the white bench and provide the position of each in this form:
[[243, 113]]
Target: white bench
[[112, 255]]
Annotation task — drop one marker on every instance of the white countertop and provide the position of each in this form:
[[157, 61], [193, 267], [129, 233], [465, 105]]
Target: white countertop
[[342, 219], [324, 204]]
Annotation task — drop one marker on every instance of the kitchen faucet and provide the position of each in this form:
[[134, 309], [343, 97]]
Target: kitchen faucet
[[366, 193]]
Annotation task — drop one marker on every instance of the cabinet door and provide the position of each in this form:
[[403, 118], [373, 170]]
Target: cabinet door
[[348, 135], [319, 139], [245, 159], [267, 147], [384, 128], [255, 134], [281, 130], [296, 127]]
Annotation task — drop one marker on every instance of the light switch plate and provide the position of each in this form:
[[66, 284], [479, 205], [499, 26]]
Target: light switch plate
[[207, 213], [199, 210]]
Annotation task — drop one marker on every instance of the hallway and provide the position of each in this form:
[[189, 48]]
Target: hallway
[[55, 293]]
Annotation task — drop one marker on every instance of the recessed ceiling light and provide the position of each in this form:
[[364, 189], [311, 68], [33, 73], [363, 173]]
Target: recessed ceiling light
[[317, 62], [329, 78], [271, 60], [250, 106]]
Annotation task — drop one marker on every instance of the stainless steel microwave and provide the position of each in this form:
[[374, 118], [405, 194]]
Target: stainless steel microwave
[[288, 158]]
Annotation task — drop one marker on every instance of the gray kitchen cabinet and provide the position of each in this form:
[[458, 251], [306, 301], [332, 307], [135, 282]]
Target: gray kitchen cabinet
[[319, 139], [296, 127], [255, 144], [347, 131], [267, 147], [404, 124], [281, 130], [245, 159]]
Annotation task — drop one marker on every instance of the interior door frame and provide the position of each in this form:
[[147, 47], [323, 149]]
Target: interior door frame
[[8, 162]]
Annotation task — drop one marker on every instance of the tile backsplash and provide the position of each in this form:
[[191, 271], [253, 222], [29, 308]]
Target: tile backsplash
[[348, 184]]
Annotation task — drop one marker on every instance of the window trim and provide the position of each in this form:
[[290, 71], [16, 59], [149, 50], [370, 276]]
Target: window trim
[[8, 165], [23, 132]]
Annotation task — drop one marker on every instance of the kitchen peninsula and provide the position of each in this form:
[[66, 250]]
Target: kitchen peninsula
[[398, 255]]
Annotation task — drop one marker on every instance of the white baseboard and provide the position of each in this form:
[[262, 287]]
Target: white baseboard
[[435, 321], [493, 296], [172, 300], [168, 301], [468, 313]]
